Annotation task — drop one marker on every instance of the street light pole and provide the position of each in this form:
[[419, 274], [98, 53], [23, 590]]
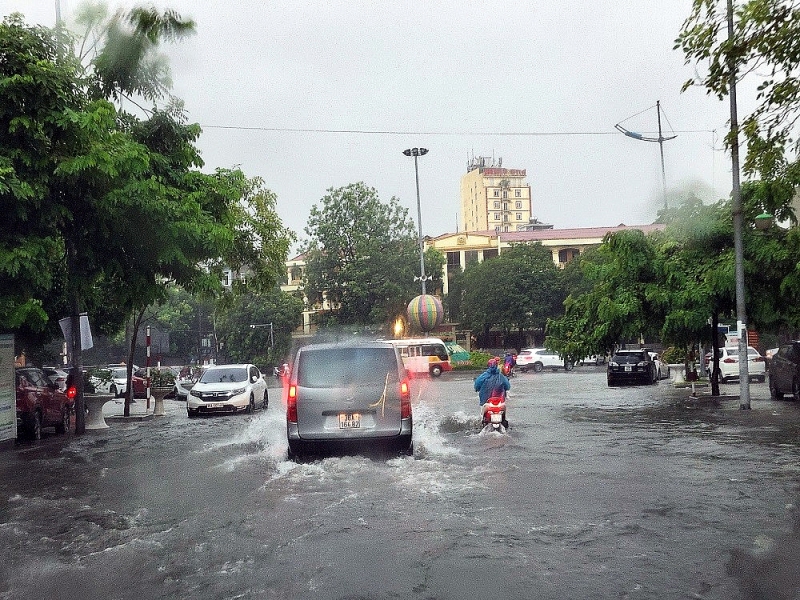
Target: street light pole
[[417, 152], [738, 246]]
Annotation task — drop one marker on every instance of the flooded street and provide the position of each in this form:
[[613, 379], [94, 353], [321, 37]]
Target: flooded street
[[630, 492]]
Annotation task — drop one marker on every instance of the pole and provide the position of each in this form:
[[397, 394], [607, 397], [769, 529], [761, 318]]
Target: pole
[[417, 152], [738, 246], [661, 147], [419, 224], [147, 364]]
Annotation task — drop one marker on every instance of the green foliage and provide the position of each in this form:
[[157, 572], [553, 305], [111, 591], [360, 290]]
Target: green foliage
[[518, 290], [161, 378], [764, 45], [243, 343], [362, 256]]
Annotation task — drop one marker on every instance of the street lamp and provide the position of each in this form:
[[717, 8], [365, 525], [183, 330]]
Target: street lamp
[[417, 152]]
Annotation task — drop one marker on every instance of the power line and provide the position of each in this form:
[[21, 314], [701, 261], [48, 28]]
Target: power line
[[431, 133]]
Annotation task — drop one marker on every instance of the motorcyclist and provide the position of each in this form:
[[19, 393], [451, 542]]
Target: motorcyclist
[[491, 383], [508, 363]]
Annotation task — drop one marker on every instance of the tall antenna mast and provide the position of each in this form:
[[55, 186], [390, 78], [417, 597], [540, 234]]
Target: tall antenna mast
[[660, 139]]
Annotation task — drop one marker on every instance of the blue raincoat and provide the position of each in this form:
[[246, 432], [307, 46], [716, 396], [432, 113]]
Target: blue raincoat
[[491, 382]]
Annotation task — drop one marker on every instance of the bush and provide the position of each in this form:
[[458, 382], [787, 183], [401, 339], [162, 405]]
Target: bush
[[673, 356]]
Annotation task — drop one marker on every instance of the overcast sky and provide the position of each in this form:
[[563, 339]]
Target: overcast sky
[[311, 95]]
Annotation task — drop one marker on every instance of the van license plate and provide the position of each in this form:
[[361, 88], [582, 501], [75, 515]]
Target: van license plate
[[349, 420]]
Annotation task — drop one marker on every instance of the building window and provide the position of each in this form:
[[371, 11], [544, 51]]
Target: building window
[[497, 193], [519, 216], [518, 205], [567, 254], [505, 205], [496, 216], [453, 260], [497, 204], [226, 279], [518, 193], [505, 218], [470, 257], [489, 253], [505, 193]]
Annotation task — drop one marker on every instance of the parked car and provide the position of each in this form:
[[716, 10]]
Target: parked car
[[662, 369], [348, 396], [114, 381], [784, 371], [40, 403], [631, 366], [594, 359], [57, 376], [228, 389], [729, 364], [539, 359]]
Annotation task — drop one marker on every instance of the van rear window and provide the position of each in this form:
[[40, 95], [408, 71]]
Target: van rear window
[[344, 367]]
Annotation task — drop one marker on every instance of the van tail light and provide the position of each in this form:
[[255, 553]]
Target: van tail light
[[291, 404], [405, 400], [71, 392]]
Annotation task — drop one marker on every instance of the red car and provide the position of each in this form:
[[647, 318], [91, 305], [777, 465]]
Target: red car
[[40, 403]]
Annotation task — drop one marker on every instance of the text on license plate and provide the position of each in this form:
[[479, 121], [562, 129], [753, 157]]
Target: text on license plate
[[349, 420], [215, 405], [628, 368]]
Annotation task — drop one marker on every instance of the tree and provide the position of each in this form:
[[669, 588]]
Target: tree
[[764, 44], [242, 327], [620, 304], [362, 257], [516, 291]]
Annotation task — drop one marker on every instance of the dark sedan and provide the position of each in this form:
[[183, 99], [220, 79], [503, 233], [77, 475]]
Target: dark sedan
[[784, 371], [631, 366]]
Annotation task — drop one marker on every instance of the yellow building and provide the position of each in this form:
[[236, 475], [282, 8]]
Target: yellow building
[[462, 249], [494, 198]]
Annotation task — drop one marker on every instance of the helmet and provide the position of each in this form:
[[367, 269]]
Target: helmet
[[492, 362]]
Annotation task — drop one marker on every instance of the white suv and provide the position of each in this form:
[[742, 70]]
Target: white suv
[[729, 364], [539, 359]]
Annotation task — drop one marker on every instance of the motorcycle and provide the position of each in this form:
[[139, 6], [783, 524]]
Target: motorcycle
[[494, 414]]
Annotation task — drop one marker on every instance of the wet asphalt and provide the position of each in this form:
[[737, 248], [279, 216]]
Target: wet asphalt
[[594, 492]]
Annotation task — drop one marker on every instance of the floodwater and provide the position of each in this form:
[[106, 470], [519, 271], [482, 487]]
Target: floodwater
[[594, 492]]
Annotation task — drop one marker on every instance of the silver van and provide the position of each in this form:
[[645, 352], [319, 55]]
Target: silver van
[[349, 396]]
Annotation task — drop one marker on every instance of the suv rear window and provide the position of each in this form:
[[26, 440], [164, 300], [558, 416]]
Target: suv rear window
[[628, 358], [344, 367]]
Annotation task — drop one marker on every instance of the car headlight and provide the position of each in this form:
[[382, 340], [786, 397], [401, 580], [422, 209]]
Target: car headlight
[[196, 393], [239, 391]]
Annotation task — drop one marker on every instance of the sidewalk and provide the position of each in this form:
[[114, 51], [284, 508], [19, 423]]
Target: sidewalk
[[113, 411]]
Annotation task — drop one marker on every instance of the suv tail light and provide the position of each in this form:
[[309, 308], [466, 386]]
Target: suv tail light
[[291, 404], [729, 360], [405, 400]]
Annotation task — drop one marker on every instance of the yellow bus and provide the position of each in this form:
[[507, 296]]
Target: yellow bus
[[423, 355]]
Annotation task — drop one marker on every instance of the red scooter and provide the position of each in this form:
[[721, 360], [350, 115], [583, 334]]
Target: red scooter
[[494, 414]]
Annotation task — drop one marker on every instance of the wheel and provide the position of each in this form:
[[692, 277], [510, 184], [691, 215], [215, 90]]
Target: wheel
[[796, 390], [35, 426], [524, 369], [568, 365], [251, 408], [436, 370], [191, 413], [538, 367], [64, 425], [113, 391], [773, 391], [265, 400]]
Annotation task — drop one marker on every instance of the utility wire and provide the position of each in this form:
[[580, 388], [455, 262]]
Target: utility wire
[[431, 133]]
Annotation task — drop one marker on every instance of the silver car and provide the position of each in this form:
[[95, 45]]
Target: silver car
[[228, 389], [348, 396]]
